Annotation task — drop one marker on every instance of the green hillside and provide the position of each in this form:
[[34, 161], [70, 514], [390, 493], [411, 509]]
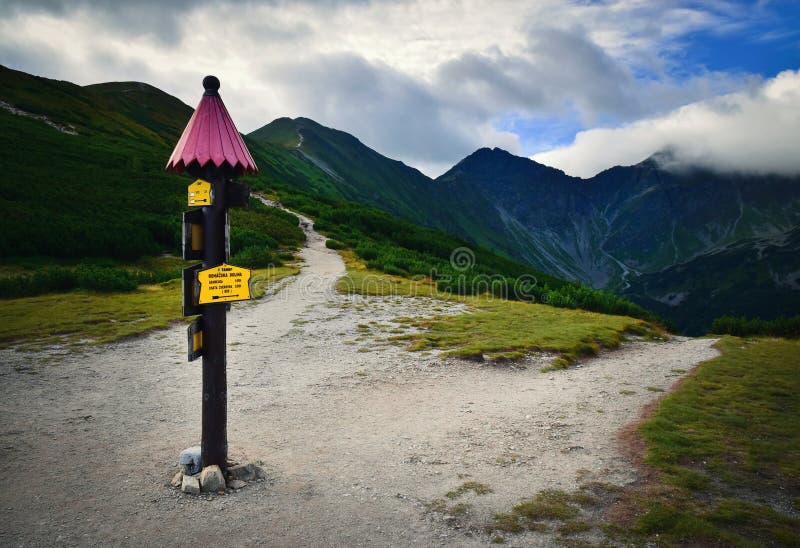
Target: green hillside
[[353, 170], [757, 278], [97, 189]]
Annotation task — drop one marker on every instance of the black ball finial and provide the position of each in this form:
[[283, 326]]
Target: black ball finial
[[211, 84]]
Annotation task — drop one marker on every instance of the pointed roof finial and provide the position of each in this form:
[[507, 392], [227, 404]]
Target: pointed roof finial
[[211, 136], [211, 85]]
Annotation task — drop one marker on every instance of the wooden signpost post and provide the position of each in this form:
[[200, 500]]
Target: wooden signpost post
[[212, 151]]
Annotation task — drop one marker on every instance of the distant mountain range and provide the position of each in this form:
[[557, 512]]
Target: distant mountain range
[[690, 245]]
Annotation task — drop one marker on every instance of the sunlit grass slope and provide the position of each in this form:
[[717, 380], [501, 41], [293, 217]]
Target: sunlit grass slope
[[727, 444], [91, 317], [496, 328]]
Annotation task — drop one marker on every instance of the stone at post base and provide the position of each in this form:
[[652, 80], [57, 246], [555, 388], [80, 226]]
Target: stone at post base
[[211, 479], [243, 472], [190, 485], [177, 479], [189, 460]]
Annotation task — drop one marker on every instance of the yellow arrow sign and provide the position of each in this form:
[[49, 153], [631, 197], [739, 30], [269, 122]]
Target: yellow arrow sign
[[223, 283], [200, 193]]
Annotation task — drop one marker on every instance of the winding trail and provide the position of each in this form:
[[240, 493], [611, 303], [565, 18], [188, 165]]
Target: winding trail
[[357, 435]]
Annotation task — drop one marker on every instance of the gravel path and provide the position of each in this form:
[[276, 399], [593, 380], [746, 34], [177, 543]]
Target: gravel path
[[357, 436]]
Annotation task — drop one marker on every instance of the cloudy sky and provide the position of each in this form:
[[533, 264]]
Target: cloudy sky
[[579, 85]]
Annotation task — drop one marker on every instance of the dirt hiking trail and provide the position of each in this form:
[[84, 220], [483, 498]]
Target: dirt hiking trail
[[357, 436]]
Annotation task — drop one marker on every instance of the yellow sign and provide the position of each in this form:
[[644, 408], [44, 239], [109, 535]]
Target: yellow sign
[[200, 193], [223, 283]]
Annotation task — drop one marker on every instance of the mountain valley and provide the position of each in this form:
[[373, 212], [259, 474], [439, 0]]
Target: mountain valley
[[691, 245]]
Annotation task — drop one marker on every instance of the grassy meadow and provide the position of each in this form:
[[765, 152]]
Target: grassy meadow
[[496, 328], [91, 317], [726, 446]]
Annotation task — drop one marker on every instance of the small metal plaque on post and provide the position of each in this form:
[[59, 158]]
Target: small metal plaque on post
[[223, 283], [189, 287], [200, 193], [195, 339], [193, 235]]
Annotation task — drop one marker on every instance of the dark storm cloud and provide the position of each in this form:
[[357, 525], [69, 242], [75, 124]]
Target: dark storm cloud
[[37, 59], [387, 110], [163, 20], [159, 20], [559, 69]]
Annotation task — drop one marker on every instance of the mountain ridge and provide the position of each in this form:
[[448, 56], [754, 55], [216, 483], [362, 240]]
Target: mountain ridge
[[606, 230]]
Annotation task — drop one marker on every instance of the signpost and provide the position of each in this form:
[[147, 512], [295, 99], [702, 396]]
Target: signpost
[[212, 151]]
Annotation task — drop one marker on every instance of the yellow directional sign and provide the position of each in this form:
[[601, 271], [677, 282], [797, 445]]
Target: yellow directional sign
[[223, 283], [200, 193]]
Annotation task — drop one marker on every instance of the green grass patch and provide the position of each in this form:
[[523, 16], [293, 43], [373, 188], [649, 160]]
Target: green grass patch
[[728, 441], [466, 487], [362, 281], [735, 418], [263, 278], [573, 527], [459, 509], [507, 330], [502, 330], [94, 317], [90, 316], [548, 506]]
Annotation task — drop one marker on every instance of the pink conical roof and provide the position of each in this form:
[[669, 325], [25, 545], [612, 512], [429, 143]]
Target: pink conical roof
[[211, 136]]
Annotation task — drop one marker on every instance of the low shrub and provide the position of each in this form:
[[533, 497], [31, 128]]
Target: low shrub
[[749, 327]]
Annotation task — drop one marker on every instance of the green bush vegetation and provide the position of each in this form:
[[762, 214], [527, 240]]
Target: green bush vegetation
[[104, 192], [390, 245], [755, 327], [334, 244], [102, 277], [74, 209]]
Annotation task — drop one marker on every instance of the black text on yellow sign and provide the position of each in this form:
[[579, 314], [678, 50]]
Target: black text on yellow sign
[[223, 283], [200, 193]]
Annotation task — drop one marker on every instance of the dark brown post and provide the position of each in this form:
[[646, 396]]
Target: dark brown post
[[214, 440]]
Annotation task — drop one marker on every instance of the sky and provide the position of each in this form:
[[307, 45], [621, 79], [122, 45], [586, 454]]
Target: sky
[[577, 85]]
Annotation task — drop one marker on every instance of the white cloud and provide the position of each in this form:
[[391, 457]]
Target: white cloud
[[752, 131]]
